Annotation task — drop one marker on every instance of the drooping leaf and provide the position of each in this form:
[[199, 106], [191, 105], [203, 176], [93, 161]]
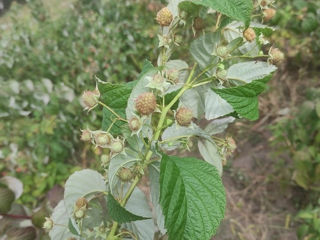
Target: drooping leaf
[[215, 106], [60, 217], [209, 151], [192, 198], [235, 9], [249, 71], [82, 183], [202, 50], [138, 205], [218, 125], [244, 99], [119, 213]]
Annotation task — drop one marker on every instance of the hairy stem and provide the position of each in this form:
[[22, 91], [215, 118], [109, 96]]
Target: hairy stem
[[112, 111], [149, 153]]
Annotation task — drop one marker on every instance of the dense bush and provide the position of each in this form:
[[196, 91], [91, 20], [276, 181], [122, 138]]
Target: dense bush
[[45, 63]]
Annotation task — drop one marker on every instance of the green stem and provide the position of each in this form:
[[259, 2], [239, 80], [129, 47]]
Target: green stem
[[112, 111], [111, 235]]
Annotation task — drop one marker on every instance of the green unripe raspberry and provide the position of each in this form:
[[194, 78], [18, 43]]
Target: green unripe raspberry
[[125, 174], [276, 56], [184, 116], [222, 51], [102, 139], [39, 217], [90, 98], [269, 13], [116, 146], [249, 34], [221, 74], [146, 103], [164, 17], [6, 199]]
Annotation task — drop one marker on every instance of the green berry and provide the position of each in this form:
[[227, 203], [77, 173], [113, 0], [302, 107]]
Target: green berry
[[125, 174], [116, 146], [39, 217], [249, 34], [48, 224], [164, 17], [79, 214], [90, 99], [222, 51], [146, 103], [184, 116], [268, 14], [102, 139], [85, 135]]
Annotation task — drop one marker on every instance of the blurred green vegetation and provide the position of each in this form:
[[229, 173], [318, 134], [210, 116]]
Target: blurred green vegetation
[[49, 55]]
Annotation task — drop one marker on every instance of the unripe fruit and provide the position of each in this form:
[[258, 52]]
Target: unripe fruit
[[28, 233], [81, 203], [116, 146], [249, 34], [164, 17], [146, 103], [79, 214], [184, 116], [90, 99], [105, 159], [6, 199], [39, 217], [276, 56], [134, 124], [268, 14], [125, 174], [48, 224], [102, 139], [221, 74], [222, 51], [85, 135]]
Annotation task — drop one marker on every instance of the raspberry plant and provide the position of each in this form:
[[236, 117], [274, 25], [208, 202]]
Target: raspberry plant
[[161, 111]]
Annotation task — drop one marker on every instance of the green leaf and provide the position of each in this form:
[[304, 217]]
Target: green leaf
[[120, 214], [116, 97], [235, 9], [244, 99], [72, 229], [192, 198]]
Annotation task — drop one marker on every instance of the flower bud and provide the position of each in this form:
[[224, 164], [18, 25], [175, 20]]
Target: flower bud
[[116, 146], [85, 135], [276, 56], [146, 103], [164, 17], [184, 116], [78, 214], [221, 74], [90, 99], [249, 34], [222, 51], [105, 159], [134, 124], [125, 174], [48, 224], [6, 199], [268, 14], [102, 139]]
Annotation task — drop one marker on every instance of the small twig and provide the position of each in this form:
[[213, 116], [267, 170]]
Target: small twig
[[15, 216]]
